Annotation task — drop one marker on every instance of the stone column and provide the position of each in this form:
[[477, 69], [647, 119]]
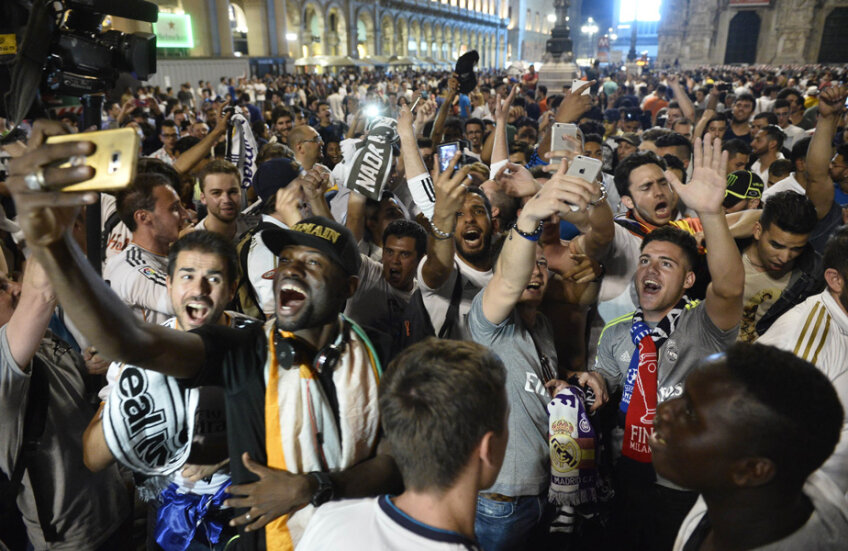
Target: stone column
[[222, 8], [793, 30], [256, 13]]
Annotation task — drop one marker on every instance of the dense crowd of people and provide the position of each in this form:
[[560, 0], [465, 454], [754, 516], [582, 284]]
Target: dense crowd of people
[[386, 311]]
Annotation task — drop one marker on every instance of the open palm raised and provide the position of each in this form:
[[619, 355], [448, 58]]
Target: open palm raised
[[705, 192]]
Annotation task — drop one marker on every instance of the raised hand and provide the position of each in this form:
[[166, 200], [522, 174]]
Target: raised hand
[[705, 192], [516, 180], [832, 101], [45, 214], [450, 194], [502, 106], [574, 104]]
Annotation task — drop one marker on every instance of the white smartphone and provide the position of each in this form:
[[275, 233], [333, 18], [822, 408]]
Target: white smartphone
[[558, 133], [586, 168], [575, 84]]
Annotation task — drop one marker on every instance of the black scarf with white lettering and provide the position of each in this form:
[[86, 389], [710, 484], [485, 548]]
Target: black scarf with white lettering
[[372, 162]]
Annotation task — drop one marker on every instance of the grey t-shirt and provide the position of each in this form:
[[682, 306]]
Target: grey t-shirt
[[694, 338], [526, 469], [85, 507]]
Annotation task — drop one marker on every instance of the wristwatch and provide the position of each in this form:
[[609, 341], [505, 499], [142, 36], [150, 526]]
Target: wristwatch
[[325, 490]]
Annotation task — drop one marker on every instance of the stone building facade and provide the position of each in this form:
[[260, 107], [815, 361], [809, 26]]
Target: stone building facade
[[435, 29], [775, 32]]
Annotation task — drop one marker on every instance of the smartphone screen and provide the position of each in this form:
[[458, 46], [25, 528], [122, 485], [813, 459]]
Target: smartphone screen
[[446, 153]]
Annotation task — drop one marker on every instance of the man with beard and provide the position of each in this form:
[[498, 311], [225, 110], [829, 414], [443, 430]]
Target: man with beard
[[513, 513], [474, 134], [151, 210], [651, 203], [766, 145], [385, 287], [282, 118], [220, 192], [817, 331], [300, 391], [648, 353], [740, 113], [460, 247], [202, 271], [726, 438]]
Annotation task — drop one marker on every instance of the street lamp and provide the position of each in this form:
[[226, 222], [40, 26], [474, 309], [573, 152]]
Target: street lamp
[[552, 17], [590, 28]]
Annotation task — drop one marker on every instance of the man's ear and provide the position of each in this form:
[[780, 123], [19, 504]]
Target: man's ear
[[751, 472], [689, 279], [834, 280], [758, 230], [141, 217], [627, 201], [352, 285]]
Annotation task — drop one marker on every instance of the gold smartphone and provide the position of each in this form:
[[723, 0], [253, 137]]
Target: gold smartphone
[[114, 159]]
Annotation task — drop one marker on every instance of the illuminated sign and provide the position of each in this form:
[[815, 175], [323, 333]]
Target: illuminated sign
[[639, 10], [173, 30]]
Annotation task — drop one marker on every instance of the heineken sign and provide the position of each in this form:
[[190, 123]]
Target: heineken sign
[[173, 30]]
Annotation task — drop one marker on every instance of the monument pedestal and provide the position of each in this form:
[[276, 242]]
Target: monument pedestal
[[557, 74]]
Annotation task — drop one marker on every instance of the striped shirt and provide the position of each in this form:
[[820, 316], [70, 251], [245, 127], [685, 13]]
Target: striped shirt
[[817, 331]]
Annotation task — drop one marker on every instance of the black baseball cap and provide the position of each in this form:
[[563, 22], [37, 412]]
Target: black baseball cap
[[273, 175], [328, 236], [741, 185]]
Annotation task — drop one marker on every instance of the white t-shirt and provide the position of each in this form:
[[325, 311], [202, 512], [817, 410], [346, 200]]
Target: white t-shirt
[[437, 301], [788, 183], [261, 264], [375, 300], [163, 155], [759, 171], [793, 133], [615, 297], [817, 331], [375, 523], [825, 530], [138, 277]]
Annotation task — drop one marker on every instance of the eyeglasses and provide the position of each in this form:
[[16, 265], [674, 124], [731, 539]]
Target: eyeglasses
[[316, 139], [170, 135]]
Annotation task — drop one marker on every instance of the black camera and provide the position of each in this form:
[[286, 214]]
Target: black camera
[[64, 50]]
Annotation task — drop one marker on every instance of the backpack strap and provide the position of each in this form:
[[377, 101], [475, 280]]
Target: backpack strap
[[452, 316], [35, 417]]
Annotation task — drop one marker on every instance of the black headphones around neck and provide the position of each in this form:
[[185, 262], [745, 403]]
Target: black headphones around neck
[[327, 358]]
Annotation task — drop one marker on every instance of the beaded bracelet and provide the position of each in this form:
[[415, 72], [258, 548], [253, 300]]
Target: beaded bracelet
[[603, 196], [530, 236], [439, 234]]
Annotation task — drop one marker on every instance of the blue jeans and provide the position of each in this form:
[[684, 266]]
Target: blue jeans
[[507, 526]]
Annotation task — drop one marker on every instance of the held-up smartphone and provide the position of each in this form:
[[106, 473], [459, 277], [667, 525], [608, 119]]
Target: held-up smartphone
[[575, 84], [446, 152], [585, 168], [558, 133], [114, 159]]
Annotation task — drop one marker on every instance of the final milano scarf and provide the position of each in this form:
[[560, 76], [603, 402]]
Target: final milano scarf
[[639, 399]]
